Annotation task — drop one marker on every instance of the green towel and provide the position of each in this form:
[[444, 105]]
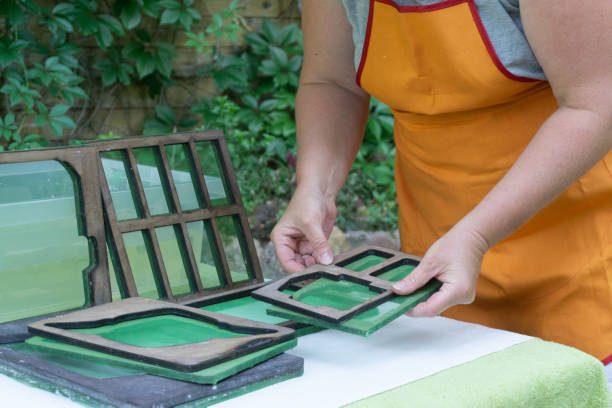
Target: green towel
[[535, 373]]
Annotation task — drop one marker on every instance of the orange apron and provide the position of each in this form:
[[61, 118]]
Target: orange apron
[[461, 121]]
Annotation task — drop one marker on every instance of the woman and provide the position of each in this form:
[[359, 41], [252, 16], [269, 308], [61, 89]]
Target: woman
[[503, 121]]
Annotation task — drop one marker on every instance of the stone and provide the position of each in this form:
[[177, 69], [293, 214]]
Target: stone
[[337, 241]]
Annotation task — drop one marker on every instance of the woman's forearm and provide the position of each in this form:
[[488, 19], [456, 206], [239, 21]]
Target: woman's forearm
[[569, 143], [330, 125]]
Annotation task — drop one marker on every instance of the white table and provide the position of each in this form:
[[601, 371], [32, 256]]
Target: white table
[[342, 367]]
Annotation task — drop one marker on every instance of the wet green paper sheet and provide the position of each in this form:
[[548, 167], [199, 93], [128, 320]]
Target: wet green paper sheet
[[343, 293], [210, 375]]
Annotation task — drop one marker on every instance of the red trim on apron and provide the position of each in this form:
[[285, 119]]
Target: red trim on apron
[[487, 42], [433, 7], [425, 8], [607, 360], [366, 44]]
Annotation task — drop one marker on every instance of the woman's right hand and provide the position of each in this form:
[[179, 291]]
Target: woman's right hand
[[300, 236]]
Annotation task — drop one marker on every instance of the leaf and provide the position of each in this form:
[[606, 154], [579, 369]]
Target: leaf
[[112, 23], [71, 92], [289, 34], [154, 126], [187, 122], [64, 121], [165, 114], [130, 14], [59, 109], [260, 46], [295, 63], [170, 16], [145, 64], [151, 7], [217, 20], [269, 105], [104, 37], [15, 16], [63, 23], [270, 31], [249, 100], [268, 68], [10, 50], [279, 57], [63, 8]]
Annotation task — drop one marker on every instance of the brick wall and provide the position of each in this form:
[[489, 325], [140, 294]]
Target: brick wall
[[123, 111]]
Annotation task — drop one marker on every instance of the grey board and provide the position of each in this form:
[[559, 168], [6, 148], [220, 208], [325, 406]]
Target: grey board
[[140, 390]]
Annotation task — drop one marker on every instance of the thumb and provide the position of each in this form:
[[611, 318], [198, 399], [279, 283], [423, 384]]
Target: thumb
[[417, 279], [321, 250]]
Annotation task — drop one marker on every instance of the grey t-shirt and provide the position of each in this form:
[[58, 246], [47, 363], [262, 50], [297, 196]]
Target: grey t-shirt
[[501, 19]]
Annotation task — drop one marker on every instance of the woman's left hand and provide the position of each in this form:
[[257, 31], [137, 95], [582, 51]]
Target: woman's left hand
[[454, 260]]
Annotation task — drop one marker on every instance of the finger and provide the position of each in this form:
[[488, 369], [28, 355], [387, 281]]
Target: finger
[[300, 259], [309, 260], [285, 252], [444, 298], [417, 278], [305, 247], [321, 250]]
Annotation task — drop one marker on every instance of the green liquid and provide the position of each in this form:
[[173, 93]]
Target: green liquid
[[160, 331], [341, 295], [364, 263]]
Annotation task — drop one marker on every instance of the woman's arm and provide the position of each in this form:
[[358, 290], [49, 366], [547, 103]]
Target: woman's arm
[[573, 42], [331, 112]]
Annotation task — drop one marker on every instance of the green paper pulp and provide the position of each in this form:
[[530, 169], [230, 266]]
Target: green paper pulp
[[344, 294], [341, 295], [364, 263], [245, 308], [160, 331], [368, 322], [210, 375]]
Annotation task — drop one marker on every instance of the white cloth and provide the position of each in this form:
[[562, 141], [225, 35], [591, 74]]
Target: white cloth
[[340, 368]]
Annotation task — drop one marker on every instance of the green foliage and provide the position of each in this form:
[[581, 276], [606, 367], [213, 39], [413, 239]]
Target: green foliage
[[46, 77], [257, 114]]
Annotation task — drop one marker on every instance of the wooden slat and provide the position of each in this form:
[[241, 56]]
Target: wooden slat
[[221, 251], [135, 178], [160, 268], [200, 175], [192, 263], [149, 141], [171, 219], [166, 177], [230, 176], [117, 237]]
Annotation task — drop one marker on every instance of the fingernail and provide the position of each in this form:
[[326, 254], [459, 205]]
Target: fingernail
[[326, 258], [400, 285]]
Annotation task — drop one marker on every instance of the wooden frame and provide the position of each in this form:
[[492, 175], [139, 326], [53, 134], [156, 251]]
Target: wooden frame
[[394, 258], [186, 357], [176, 217], [273, 292], [227, 295], [82, 165]]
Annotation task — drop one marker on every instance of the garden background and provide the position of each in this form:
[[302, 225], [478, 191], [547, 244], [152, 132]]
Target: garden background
[[88, 69]]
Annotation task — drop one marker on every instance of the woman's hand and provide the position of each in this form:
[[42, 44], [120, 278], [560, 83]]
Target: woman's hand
[[300, 237], [454, 260]]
